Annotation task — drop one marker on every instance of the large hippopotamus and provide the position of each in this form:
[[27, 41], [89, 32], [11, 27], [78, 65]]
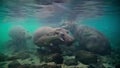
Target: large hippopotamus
[[46, 36], [89, 38]]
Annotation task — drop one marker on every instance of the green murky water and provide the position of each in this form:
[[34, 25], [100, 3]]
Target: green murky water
[[101, 15]]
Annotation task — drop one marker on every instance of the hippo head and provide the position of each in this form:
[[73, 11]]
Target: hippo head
[[64, 36]]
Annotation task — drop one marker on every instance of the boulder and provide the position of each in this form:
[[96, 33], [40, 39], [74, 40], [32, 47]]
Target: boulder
[[70, 61], [14, 64], [86, 57]]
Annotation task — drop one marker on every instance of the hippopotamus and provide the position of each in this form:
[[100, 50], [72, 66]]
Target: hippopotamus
[[89, 38], [46, 36], [19, 37]]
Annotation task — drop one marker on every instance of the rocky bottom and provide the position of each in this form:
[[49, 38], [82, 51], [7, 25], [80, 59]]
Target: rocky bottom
[[28, 60]]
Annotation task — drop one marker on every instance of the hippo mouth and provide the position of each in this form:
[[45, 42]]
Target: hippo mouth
[[68, 41], [62, 39]]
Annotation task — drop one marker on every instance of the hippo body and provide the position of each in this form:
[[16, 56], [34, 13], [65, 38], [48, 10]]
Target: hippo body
[[41, 32], [19, 37], [49, 39], [49, 36], [89, 39]]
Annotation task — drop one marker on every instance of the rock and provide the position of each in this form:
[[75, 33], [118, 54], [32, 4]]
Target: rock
[[6, 58], [3, 57], [51, 66], [86, 57], [89, 38], [70, 61], [43, 51], [57, 58], [90, 66], [14, 64], [2, 64], [117, 65], [25, 66], [68, 50], [96, 66], [47, 54], [21, 55], [39, 66]]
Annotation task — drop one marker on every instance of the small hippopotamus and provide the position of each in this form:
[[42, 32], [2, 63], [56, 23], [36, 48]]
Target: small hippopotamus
[[46, 36], [19, 37]]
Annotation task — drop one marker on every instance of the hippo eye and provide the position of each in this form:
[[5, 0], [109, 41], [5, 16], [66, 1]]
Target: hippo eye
[[67, 32]]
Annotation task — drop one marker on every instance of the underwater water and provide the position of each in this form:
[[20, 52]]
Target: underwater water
[[30, 15]]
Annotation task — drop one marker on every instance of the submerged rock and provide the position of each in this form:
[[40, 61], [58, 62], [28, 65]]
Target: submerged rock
[[96, 66], [37, 66], [86, 57], [117, 65], [3, 57], [2, 64], [57, 58], [69, 61], [68, 50], [50, 66], [21, 55], [14, 64]]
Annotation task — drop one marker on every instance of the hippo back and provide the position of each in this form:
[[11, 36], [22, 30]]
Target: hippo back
[[41, 32]]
